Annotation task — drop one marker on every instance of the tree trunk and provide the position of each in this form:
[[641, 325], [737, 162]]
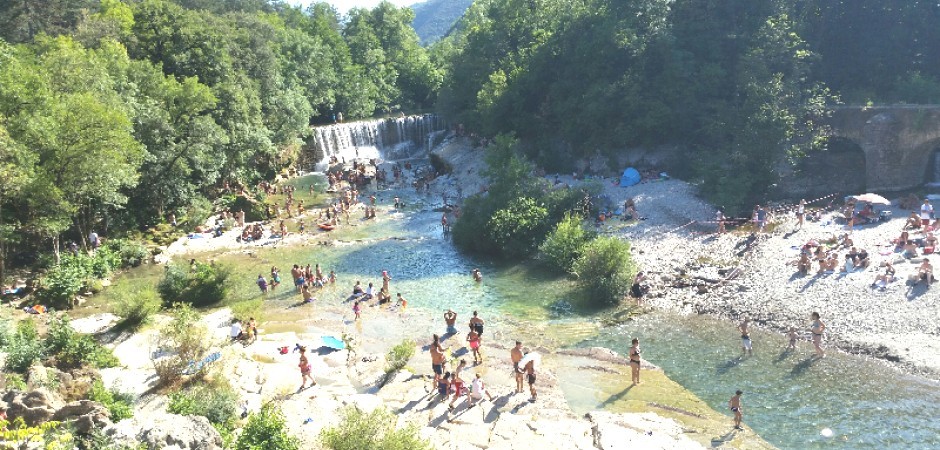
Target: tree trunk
[[55, 249]]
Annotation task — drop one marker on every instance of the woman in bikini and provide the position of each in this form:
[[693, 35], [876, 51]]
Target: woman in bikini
[[474, 339], [305, 369], [635, 361], [818, 328]]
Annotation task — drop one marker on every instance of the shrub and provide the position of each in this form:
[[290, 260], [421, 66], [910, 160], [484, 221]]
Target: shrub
[[197, 213], [563, 245], [183, 339], [135, 306], [216, 403], [374, 431], [247, 309], [120, 405], [63, 282], [24, 347], [201, 285], [267, 429], [104, 262], [605, 269], [397, 358], [72, 349], [518, 228], [14, 381], [130, 253]]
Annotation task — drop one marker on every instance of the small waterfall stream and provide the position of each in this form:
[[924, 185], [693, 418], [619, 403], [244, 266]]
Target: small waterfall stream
[[389, 138]]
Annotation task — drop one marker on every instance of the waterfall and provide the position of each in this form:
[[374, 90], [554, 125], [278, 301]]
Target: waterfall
[[390, 138]]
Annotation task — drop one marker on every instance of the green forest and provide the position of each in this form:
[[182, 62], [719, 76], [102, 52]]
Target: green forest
[[115, 114], [732, 86]]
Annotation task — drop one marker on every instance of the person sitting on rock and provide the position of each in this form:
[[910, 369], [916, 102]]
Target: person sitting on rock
[[901, 239], [882, 280], [925, 272], [913, 222], [861, 259], [930, 242]]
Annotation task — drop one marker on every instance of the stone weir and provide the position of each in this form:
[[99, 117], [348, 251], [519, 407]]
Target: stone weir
[[388, 138]]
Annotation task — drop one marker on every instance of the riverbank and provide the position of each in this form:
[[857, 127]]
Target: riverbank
[[692, 269], [656, 414]]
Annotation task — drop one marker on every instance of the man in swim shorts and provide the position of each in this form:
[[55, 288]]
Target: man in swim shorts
[[476, 324], [735, 405], [437, 356], [516, 355], [745, 337], [530, 376]]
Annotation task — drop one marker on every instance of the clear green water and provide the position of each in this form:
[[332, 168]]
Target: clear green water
[[788, 397]]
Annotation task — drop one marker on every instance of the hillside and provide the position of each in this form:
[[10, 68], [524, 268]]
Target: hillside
[[434, 18]]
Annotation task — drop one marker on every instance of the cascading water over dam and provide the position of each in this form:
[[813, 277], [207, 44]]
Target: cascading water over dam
[[389, 138]]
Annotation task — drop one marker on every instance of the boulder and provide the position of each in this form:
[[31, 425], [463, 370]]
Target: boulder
[[166, 431], [35, 407], [85, 416]]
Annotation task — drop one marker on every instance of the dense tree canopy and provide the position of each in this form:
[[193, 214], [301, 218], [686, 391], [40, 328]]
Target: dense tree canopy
[[735, 87], [114, 113]]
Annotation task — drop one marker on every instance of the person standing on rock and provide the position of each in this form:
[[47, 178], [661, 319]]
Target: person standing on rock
[[530, 375], [800, 212], [473, 339], [516, 355], [735, 405], [450, 318], [240, 218], [437, 357], [720, 218], [635, 361], [745, 337], [926, 211], [305, 370], [818, 328], [476, 324]]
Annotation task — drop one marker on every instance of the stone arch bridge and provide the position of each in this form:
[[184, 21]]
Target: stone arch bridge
[[900, 142]]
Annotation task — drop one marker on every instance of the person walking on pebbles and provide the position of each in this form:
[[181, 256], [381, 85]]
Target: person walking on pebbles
[[745, 337], [305, 370], [735, 405], [516, 355], [818, 328]]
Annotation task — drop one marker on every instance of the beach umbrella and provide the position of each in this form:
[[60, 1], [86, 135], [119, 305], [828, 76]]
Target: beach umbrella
[[872, 198]]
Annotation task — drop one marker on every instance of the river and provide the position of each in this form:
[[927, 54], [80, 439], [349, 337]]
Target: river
[[790, 398]]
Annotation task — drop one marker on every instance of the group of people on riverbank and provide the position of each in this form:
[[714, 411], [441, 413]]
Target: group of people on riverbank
[[451, 384]]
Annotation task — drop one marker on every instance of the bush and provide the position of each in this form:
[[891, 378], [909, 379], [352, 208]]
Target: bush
[[197, 213], [605, 269], [183, 339], [518, 228], [72, 349], [374, 431], [201, 285], [64, 281], [130, 253], [136, 305], [24, 347], [397, 358], [265, 430], [563, 245], [216, 403], [14, 382], [120, 405]]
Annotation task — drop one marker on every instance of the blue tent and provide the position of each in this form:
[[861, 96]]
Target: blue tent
[[630, 177]]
